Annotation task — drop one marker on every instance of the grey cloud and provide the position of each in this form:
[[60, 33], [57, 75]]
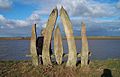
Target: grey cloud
[[103, 28], [5, 4], [11, 23], [16, 32], [34, 18], [118, 4]]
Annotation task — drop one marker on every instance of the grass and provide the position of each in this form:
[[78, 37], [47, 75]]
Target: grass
[[14, 38], [64, 38], [25, 69]]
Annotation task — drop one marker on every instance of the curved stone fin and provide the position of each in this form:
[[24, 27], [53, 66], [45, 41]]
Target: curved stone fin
[[85, 51], [47, 37], [33, 49], [58, 46], [72, 55]]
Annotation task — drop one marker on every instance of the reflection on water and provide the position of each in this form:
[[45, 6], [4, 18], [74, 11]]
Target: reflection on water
[[101, 49]]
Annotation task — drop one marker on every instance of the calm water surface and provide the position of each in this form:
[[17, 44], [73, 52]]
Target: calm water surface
[[101, 49]]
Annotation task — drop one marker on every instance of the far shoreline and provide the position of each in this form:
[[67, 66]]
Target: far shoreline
[[64, 38]]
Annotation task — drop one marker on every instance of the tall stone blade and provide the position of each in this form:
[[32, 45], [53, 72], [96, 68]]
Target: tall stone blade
[[58, 47], [85, 51], [47, 37], [33, 49], [72, 55]]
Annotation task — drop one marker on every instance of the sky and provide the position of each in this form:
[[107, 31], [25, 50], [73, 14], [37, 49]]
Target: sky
[[102, 17]]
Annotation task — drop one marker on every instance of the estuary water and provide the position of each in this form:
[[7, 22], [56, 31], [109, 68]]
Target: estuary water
[[101, 49]]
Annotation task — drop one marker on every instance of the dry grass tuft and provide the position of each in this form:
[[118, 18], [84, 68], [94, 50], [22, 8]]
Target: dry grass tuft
[[25, 69]]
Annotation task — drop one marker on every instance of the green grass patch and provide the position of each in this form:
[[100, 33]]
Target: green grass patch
[[96, 68]]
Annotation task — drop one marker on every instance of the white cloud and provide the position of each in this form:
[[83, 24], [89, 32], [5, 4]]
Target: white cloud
[[16, 23], [5, 3], [116, 30], [89, 8], [44, 25], [34, 18], [21, 23], [2, 18], [44, 11], [12, 23]]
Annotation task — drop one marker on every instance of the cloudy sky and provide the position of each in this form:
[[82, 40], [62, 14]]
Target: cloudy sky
[[102, 17]]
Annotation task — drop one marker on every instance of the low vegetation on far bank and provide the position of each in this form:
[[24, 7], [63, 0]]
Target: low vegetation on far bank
[[97, 68], [64, 38]]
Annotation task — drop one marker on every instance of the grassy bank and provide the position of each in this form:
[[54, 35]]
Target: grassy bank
[[64, 38], [25, 69], [14, 38]]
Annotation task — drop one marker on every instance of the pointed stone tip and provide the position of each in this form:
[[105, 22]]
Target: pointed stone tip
[[54, 11], [62, 7], [34, 25], [83, 23], [61, 10], [55, 8], [83, 29]]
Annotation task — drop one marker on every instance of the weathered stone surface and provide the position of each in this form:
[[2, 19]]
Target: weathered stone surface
[[72, 55], [47, 37], [85, 51], [58, 47], [33, 49]]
